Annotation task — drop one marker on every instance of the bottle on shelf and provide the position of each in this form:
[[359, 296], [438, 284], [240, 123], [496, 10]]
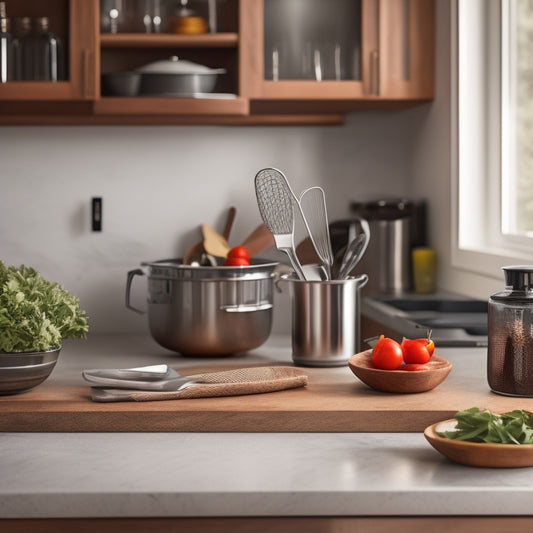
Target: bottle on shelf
[[47, 64], [6, 47], [187, 21], [23, 49]]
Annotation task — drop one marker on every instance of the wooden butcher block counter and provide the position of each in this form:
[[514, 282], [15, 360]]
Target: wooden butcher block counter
[[333, 401]]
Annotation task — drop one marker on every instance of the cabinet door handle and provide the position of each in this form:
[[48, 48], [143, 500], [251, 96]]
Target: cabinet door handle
[[374, 72], [87, 82]]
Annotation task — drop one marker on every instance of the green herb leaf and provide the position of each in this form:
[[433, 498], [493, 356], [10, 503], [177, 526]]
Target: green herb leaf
[[474, 425], [36, 314]]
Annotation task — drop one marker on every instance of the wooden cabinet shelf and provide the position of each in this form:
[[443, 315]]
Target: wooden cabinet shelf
[[382, 59], [165, 106], [168, 40]]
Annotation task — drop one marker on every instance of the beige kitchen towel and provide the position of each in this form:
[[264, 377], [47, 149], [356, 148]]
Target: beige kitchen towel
[[226, 383]]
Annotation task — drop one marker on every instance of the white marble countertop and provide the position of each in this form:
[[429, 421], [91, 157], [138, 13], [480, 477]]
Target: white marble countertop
[[62, 475]]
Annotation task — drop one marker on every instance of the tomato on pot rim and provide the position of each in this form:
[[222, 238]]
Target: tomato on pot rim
[[236, 261], [239, 251]]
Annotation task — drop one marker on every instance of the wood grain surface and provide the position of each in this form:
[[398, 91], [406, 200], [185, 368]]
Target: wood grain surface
[[334, 401]]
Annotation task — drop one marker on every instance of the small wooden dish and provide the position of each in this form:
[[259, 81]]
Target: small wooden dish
[[401, 381], [489, 455]]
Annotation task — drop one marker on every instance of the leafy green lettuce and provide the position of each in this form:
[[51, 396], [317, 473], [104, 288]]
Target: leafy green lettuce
[[36, 314], [474, 425]]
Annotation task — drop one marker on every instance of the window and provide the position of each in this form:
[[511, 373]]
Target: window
[[492, 102], [517, 69]]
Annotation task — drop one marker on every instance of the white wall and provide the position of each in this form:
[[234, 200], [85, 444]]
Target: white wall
[[160, 183]]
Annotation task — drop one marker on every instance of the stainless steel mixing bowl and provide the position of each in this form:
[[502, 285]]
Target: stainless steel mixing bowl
[[207, 310], [20, 372]]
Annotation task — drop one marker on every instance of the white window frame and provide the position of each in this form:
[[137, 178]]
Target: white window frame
[[478, 127]]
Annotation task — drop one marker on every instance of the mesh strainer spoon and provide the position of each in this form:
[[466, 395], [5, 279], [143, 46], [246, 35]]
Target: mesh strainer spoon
[[276, 202]]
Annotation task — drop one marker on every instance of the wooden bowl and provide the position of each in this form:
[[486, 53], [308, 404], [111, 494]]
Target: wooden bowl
[[402, 381], [482, 454]]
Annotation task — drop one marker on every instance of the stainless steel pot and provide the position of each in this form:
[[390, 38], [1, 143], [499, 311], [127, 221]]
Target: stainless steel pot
[[177, 77], [207, 311]]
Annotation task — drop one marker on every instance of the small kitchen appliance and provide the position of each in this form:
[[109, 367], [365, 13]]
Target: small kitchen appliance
[[510, 334], [396, 226]]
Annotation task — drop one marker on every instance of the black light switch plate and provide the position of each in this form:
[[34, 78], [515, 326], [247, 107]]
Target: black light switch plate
[[96, 213]]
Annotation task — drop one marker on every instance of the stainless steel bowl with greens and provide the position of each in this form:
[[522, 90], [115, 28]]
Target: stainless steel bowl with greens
[[36, 315]]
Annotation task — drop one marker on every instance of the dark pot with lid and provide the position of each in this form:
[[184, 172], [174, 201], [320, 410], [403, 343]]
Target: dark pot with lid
[[207, 310], [177, 77]]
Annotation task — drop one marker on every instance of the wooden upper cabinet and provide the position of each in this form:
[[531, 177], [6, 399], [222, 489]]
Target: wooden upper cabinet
[[328, 50], [75, 24], [406, 49], [131, 47], [302, 58]]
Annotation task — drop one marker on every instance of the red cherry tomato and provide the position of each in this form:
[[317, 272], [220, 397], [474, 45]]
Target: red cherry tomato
[[428, 342], [415, 351], [387, 354], [236, 261], [239, 251], [414, 367]]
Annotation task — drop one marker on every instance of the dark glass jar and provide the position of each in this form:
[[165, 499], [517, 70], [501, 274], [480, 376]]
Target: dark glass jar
[[47, 59], [510, 334], [7, 65]]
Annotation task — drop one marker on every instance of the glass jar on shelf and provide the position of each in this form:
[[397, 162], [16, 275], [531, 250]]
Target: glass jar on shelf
[[7, 64]]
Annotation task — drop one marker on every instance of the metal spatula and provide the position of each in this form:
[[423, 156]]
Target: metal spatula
[[313, 205], [276, 203]]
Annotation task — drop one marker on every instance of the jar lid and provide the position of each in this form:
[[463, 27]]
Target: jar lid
[[518, 277], [383, 209], [174, 65]]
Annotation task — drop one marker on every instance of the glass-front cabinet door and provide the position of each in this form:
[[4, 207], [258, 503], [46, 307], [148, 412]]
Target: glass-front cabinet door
[[53, 50], [338, 49]]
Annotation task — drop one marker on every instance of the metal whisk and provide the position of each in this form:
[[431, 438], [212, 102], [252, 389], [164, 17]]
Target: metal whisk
[[276, 202]]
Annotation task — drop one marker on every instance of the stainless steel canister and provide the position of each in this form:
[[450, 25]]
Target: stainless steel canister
[[207, 311], [325, 320], [394, 226]]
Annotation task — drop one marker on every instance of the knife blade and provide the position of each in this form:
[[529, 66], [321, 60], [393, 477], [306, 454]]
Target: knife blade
[[122, 378], [118, 395], [144, 373]]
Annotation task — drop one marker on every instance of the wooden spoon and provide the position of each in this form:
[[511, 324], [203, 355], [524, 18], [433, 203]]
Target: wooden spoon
[[214, 243], [195, 252], [306, 252], [229, 223], [260, 239]]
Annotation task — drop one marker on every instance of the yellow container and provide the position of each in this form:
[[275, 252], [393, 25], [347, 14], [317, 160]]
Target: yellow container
[[190, 25], [424, 270]]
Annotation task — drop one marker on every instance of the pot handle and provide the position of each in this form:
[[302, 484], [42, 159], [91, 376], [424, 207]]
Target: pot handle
[[131, 275], [361, 280], [281, 272], [246, 308]]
